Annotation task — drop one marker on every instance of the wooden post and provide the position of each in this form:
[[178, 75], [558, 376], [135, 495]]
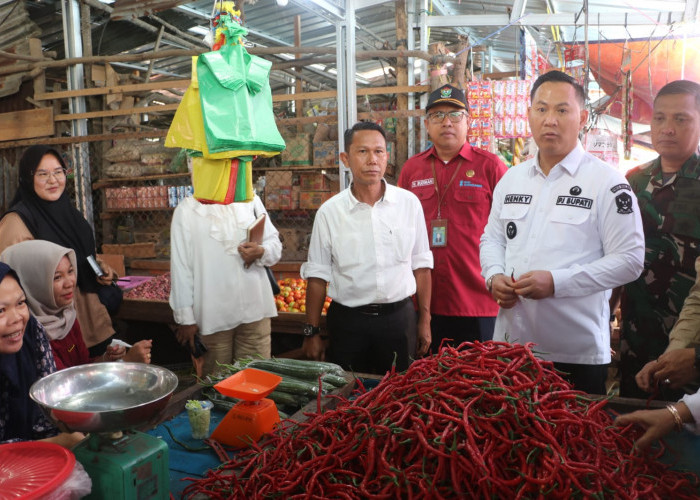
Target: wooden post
[[401, 144], [39, 79], [438, 72], [156, 48], [460, 67], [299, 83], [112, 80], [86, 35]]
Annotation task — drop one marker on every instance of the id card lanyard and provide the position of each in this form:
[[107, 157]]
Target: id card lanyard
[[438, 227]]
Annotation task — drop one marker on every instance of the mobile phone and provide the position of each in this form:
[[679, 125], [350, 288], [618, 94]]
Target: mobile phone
[[199, 347], [95, 266]]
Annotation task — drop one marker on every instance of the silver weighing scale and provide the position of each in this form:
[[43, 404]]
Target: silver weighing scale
[[109, 401]]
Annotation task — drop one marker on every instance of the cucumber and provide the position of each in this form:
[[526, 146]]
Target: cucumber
[[224, 405], [319, 367], [298, 386], [287, 399], [328, 367], [301, 372], [334, 380]]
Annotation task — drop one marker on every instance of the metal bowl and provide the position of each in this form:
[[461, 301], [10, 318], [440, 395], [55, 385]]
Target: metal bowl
[[104, 397]]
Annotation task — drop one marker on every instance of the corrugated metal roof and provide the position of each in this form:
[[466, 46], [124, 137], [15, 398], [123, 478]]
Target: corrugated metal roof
[[273, 25], [133, 9]]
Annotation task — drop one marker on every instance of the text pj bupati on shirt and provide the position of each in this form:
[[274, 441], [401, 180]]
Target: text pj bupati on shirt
[[671, 219], [466, 185], [581, 222]]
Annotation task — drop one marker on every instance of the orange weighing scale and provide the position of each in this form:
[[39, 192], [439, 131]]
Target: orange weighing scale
[[255, 415]]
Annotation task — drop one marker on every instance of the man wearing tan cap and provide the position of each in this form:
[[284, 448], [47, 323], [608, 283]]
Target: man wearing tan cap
[[454, 182]]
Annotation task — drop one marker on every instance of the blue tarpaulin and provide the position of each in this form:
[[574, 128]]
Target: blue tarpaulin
[[186, 463]]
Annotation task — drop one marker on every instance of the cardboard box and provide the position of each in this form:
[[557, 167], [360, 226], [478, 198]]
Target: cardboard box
[[303, 239], [278, 190], [313, 199], [278, 178], [298, 150], [294, 245], [314, 182], [295, 196], [147, 237], [288, 236], [278, 199], [295, 255], [326, 154], [119, 198]]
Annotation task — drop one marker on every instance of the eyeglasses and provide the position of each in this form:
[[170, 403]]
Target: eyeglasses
[[439, 116], [44, 176]]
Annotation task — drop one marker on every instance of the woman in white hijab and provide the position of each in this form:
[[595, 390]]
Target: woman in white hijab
[[48, 273]]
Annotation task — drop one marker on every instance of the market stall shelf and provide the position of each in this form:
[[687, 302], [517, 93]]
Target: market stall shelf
[[159, 311]]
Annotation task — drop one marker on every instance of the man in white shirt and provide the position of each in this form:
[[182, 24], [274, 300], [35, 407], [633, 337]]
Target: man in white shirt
[[370, 246], [220, 287], [563, 230]]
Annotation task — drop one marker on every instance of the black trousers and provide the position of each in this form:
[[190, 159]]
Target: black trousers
[[460, 329], [368, 343], [586, 378]]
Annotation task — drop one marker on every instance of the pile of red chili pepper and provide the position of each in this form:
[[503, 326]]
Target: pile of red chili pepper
[[486, 420]]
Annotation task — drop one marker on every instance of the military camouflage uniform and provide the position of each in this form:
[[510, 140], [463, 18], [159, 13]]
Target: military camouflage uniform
[[651, 304]]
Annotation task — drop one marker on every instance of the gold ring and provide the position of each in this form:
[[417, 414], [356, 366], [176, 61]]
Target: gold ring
[[498, 301]]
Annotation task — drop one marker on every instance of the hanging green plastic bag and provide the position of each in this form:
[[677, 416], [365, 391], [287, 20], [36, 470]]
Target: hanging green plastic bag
[[187, 128], [236, 99]]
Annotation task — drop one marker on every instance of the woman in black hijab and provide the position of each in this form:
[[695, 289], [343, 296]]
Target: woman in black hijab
[[42, 210], [25, 357]]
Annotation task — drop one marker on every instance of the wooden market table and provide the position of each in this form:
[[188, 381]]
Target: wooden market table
[[159, 311], [143, 311]]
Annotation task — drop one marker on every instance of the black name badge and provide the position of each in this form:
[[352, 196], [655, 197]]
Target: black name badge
[[575, 201]]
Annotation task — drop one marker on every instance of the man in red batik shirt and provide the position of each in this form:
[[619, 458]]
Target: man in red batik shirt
[[454, 182]]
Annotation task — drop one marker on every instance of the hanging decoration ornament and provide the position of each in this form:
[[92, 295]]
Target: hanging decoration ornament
[[225, 118]]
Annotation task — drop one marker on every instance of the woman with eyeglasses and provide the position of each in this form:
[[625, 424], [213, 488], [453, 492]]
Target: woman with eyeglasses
[[42, 210]]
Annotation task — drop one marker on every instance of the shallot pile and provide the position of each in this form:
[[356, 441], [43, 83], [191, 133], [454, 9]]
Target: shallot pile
[[157, 288]]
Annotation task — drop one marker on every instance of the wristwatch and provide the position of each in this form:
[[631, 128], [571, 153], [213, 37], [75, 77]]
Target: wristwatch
[[697, 358], [489, 282], [310, 330]]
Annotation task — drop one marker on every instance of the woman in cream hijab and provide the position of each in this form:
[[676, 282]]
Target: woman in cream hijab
[[48, 273]]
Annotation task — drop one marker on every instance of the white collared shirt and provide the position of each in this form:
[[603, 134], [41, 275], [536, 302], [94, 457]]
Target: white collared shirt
[[692, 401], [210, 286], [582, 223], [366, 253]]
